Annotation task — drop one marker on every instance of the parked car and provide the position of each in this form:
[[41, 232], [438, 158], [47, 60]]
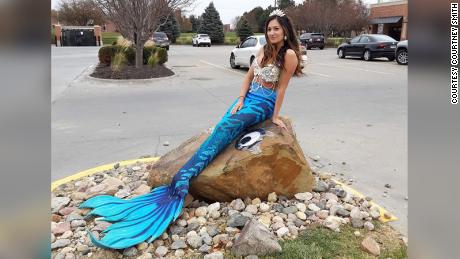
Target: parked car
[[244, 54], [311, 40], [369, 46], [401, 53], [161, 40], [201, 39]]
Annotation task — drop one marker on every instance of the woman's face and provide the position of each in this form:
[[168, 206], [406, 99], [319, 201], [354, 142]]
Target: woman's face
[[275, 32]]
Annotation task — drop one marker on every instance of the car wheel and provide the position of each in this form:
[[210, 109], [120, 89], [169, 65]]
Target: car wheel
[[402, 57], [167, 48], [321, 47], [209, 45], [341, 53], [367, 55], [232, 61]]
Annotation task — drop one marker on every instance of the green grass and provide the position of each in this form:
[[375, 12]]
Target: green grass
[[321, 243], [109, 37]]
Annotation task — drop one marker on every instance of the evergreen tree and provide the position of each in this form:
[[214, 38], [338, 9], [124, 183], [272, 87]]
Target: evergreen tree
[[171, 27], [283, 4], [212, 25], [243, 30], [195, 22]]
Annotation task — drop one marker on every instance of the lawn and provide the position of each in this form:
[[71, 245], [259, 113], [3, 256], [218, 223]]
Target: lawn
[[109, 37], [318, 242]]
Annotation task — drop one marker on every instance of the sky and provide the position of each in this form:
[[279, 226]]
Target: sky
[[228, 9]]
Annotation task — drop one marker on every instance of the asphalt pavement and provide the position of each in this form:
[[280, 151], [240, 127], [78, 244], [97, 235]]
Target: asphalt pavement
[[348, 113]]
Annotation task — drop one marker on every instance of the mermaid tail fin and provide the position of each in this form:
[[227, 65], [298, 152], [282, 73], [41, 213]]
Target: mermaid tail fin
[[142, 218]]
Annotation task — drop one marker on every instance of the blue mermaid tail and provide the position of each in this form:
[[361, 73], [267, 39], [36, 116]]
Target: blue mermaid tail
[[146, 217]]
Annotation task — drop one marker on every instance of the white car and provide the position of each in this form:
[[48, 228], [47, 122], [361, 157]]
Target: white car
[[201, 39], [245, 53]]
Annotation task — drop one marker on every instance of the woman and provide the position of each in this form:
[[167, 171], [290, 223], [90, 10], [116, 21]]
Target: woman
[[146, 217]]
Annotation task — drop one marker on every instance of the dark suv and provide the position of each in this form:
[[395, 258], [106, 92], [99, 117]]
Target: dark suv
[[161, 40], [311, 40]]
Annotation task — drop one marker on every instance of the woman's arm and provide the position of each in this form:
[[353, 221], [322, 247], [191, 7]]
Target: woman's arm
[[286, 74], [245, 86]]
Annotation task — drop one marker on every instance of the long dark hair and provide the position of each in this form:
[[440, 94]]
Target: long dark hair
[[270, 53]]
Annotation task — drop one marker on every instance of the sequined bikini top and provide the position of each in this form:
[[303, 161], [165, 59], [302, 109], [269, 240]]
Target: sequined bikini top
[[269, 73]]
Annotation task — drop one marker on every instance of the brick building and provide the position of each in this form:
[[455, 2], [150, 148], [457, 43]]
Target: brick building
[[389, 18]]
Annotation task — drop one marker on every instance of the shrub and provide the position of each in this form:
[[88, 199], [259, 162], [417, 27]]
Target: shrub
[[118, 60], [107, 53], [153, 60]]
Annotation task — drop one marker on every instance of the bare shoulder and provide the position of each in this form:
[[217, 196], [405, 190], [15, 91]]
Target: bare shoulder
[[290, 54]]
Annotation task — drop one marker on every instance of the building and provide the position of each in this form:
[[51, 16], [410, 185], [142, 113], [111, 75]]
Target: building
[[389, 18]]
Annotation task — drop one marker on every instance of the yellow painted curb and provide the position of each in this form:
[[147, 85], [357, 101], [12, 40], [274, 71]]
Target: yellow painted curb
[[100, 169], [390, 217]]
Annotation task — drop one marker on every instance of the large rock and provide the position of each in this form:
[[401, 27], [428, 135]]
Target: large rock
[[256, 239], [277, 164]]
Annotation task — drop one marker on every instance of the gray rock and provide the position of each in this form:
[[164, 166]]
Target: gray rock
[[341, 193], [357, 223], [322, 204], [179, 244], [212, 230], [215, 255], [388, 185], [132, 251], [78, 223], [343, 212], [192, 226], [73, 216], [255, 238], [161, 251], [177, 230], [237, 220], [60, 243], [321, 186], [252, 209], [58, 203], [278, 207], [238, 205], [207, 239], [195, 241], [83, 249], [204, 248], [290, 209], [369, 226]]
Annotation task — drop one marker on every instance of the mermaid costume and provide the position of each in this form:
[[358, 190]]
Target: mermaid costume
[[145, 217]]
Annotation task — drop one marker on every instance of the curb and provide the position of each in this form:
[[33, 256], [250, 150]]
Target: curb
[[124, 81], [99, 169], [154, 159]]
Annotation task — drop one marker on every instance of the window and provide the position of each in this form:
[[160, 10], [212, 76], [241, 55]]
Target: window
[[355, 39], [262, 41], [364, 39], [249, 42]]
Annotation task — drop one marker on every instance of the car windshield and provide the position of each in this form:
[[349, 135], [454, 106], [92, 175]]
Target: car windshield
[[160, 35], [317, 34], [382, 38], [203, 36], [262, 41]]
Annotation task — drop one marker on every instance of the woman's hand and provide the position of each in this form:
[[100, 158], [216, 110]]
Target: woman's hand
[[237, 106], [279, 123]]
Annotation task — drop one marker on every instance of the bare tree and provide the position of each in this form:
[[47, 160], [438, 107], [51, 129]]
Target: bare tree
[[138, 19], [79, 12]]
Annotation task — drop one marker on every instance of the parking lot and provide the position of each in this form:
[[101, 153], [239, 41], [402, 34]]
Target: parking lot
[[350, 113]]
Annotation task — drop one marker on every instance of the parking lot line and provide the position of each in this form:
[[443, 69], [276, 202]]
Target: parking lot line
[[354, 68], [318, 74], [222, 67]]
